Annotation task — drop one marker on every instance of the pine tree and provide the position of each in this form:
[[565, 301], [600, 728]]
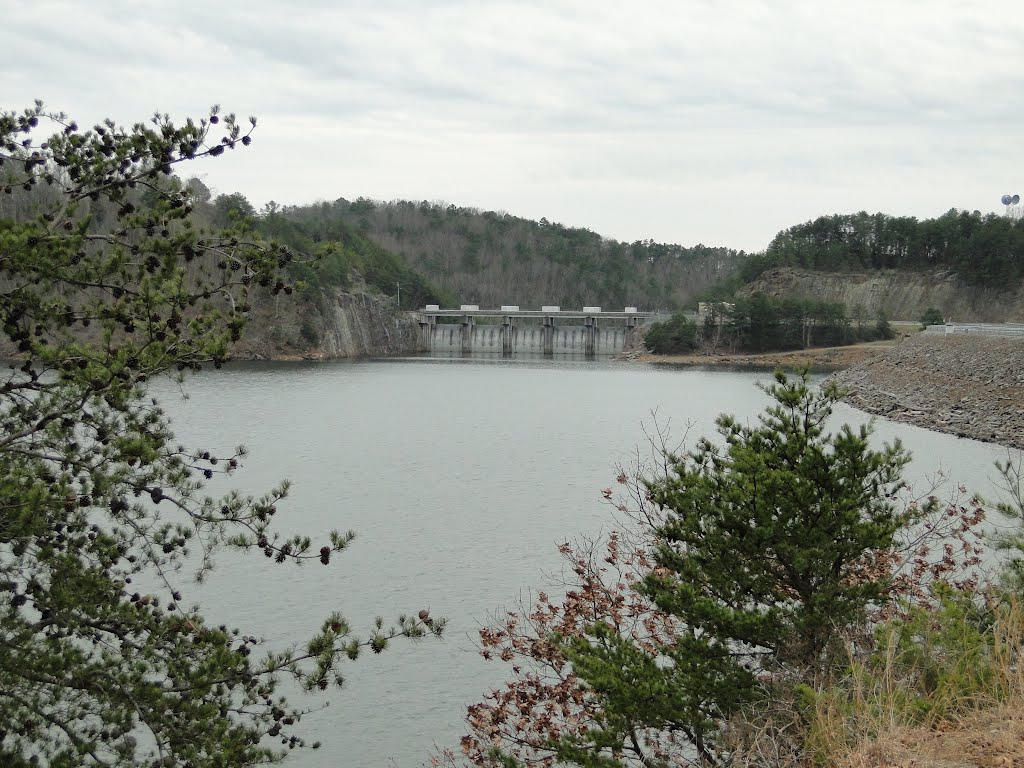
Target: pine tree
[[763, 560], [700, 628], [104, 285]]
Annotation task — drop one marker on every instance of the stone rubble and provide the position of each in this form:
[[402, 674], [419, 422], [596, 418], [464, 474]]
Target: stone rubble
[[969, 386]]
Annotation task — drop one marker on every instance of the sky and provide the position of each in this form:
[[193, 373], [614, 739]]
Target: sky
[[685, 121]]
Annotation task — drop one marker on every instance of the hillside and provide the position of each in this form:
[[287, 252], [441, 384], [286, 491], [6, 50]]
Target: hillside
[[492, 258], [346, 298], [966, 265], [343, 257], [898, 294], [982, 250], [343, 301]]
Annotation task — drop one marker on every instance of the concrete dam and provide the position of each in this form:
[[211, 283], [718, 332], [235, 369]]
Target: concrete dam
[[510, 330]]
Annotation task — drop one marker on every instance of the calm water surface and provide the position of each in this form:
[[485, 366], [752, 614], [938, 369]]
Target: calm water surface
[[460, 477]]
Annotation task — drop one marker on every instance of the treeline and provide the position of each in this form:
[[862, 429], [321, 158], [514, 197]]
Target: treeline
[[762, 323], [328, 252], [492, 258], [337, 254], [984, 250]]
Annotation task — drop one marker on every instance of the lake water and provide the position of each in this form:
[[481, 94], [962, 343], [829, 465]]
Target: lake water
[[460, 477]]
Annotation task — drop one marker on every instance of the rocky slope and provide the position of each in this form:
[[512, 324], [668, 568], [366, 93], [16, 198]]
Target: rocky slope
[[898, 294], [334, 324], [970, 386]]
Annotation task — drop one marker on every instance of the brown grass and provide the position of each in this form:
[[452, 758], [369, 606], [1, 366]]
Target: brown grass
[[879, 730], [893, 711], [987, 738]]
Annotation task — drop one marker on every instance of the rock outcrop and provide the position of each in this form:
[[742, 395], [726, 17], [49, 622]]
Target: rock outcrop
[[970, 386], [897, 294], [328, 324], [334, 324]]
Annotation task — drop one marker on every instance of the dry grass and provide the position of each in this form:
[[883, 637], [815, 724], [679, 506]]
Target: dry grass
[[986, 738], [944, 689], [878, 721]]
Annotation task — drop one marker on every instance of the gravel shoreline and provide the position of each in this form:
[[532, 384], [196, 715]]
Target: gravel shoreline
[[969, 386], [820, 360]]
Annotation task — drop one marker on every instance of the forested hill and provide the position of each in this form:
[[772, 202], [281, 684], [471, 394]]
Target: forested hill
[[490, 258], [984, 251], [345, 258]]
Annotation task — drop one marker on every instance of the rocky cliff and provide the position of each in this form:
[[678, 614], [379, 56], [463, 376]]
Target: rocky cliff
[[899, 295], [333, 324], [322, 325]]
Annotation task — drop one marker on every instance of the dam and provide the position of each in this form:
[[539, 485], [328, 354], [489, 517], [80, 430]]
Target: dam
[[510, 330]]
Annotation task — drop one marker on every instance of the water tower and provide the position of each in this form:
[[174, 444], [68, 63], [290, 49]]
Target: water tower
[[1013, 207]]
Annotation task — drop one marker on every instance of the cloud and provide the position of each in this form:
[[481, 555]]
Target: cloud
[[639, 120]]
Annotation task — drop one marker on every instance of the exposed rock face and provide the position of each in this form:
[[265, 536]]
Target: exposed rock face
[[334, 325], [971, 386], [358, 325], [899, 295]]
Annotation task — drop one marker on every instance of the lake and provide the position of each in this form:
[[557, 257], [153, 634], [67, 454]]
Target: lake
[[460, 478]]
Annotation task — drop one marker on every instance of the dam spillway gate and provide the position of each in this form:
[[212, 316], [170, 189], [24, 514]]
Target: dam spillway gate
[[549, 331]]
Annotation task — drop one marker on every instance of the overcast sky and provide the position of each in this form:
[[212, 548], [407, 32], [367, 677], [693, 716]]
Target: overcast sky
[[683, 121]]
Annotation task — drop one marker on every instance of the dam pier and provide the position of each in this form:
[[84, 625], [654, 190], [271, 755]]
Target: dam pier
[[509, 330]]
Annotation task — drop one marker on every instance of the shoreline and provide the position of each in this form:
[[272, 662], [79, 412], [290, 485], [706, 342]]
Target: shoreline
[[816, 359], [969, 387]]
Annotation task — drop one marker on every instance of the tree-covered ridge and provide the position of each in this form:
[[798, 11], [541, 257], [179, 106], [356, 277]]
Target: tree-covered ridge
[[344, 257], [492, 258], [984, 250]]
